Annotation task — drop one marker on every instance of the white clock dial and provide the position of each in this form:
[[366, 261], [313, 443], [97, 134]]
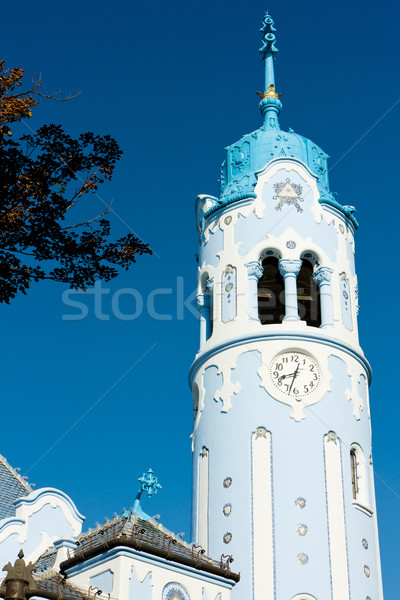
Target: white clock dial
[[295, 375]]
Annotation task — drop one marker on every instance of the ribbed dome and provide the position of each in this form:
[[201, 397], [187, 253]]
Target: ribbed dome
[[252, 152]]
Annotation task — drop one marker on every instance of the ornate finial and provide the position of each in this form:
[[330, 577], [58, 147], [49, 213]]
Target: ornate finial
[[18, 583], [270, 94], [149, 483], [269, 38], [270, 104]]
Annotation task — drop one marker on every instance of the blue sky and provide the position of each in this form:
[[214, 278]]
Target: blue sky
[[175, 83]]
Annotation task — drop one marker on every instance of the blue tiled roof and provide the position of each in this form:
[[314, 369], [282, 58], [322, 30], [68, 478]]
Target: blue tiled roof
[[12, 487]]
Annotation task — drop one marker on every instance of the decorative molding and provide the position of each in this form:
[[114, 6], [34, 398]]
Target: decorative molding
[[228, 389], [228, 294], [352, 394], [290, 335], [336, 520], [262, 515]]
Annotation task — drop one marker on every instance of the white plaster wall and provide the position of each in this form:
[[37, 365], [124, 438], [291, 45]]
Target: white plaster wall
[[162, 573]]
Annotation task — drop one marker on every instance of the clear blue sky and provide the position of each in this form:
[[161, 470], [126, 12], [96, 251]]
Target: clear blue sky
[[175, 83]]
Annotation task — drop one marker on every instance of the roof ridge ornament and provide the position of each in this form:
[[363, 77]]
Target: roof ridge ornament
[[270, 104], [148, 484]]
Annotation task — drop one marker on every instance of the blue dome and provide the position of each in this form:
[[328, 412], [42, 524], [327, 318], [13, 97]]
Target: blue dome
[[253, 151]]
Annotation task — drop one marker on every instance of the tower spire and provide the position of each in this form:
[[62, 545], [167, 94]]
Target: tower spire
[[270, 104]]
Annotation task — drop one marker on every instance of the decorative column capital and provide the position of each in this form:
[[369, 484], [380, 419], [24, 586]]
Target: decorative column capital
[[254, 269], [289, 266], [323, 275], [203, 302], [210, 284]]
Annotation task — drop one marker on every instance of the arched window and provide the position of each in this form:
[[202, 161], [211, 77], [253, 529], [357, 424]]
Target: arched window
[[359, 479], [354, 473], [308, 295], [271, 293], [205, 306]]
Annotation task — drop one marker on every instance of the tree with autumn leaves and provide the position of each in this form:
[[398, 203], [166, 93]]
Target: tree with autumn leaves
[[43, 176]]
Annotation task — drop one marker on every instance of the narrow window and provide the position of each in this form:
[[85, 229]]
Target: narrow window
[[308, 295], [271, 293], [354, 475]]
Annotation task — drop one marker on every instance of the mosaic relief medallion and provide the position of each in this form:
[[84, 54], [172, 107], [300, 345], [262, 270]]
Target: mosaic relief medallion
[[175, 591], [302, 558], [300, 502], [302, 529], [288, 192]]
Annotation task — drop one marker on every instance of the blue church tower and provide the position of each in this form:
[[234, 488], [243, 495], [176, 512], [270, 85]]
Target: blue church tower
[[282, 466]]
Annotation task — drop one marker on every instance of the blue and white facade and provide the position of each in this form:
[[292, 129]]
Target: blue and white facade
[[282, 466]]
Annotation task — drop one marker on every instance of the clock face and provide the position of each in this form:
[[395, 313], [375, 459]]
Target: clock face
[[295, 375]]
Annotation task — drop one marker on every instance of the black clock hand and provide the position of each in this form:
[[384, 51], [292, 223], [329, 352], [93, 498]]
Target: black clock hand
[[290, 374], [294, 377]]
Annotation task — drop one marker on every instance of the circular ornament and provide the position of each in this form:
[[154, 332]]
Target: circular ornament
[[302, 558], [261, 432], [227, 509], [367, 570], [229, 287], [295, 375], [227, 482], [227, 537], [175, 591], [291, 244], [228, 220], [302, 529], [300, 502], [365, 543]]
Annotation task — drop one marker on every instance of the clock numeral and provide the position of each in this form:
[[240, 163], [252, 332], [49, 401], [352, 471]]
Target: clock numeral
[[306, 389], [275, 374]]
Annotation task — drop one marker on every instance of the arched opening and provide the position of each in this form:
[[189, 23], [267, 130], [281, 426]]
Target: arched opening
[[359, 478], [205, 305], [271, 293], [308, 295], [354, 473]]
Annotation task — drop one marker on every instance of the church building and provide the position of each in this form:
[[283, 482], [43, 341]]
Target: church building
[[283, 501]]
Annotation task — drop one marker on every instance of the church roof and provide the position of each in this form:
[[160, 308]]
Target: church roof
[[149, 537], [53, 585], [12, 487], [46, 561]]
